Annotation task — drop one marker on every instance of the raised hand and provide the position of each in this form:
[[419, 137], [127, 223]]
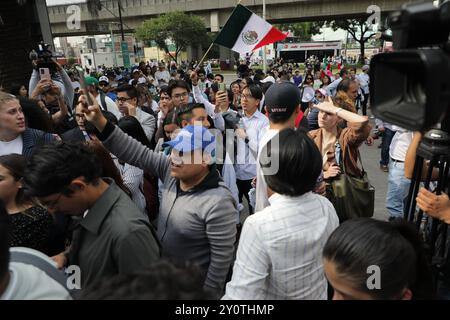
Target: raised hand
[[194, 78], [93, 113]]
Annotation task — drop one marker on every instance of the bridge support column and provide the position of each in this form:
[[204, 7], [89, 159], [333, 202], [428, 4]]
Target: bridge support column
[[194, 53], [226, 55]]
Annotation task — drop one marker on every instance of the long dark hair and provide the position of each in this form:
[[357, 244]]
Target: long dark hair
[[15, 164], [394, 247]]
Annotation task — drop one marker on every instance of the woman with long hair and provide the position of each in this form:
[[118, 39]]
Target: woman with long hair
[[31, 224], [341, 132]]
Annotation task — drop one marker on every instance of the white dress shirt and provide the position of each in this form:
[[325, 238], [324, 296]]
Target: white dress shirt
[[364, 81], [133, 178], [280, 250], [331, 88], [246, 153]]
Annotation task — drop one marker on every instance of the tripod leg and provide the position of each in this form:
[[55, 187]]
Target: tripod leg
[[410, 206], [433, 163]]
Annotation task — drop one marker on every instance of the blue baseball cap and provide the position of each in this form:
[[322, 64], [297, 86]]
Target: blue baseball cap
[[192, 138]]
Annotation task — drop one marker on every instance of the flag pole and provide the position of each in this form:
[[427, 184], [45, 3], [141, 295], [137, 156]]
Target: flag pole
[[210, 47], [204, 56]]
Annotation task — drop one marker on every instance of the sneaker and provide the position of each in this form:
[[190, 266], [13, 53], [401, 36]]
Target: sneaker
[[384, 168]]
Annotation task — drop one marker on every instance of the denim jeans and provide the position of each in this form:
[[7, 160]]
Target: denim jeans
[[398, 187], [386, 143]]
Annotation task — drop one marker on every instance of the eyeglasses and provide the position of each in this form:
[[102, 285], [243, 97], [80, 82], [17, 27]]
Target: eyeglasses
[[50, 204], [79, 115], [180, 95], [123, 99], [246, 96]]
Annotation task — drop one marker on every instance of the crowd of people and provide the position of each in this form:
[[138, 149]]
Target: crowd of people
[[167, 183]]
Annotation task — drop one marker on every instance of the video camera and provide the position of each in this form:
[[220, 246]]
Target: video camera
[[410, 87], [43, 57]]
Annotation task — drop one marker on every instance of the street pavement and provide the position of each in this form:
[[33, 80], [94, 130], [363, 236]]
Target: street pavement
[[370, 158]]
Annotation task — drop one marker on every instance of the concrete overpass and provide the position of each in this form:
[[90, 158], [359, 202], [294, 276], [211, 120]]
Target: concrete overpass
[[214, 12]]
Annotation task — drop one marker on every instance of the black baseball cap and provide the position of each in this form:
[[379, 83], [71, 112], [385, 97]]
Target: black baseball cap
[[283, 97]]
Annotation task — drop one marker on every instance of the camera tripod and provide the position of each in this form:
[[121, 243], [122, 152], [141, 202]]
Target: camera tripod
[[435, 147]]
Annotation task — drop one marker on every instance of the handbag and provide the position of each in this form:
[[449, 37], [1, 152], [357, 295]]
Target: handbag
[[353, 197]]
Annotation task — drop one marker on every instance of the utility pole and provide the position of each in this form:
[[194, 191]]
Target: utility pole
[[264, 48], [113, 44], [123, 44], [120, 18]]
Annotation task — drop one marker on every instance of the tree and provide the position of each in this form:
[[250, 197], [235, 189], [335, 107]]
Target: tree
[[304, 30], [360, 30], [178, 27]]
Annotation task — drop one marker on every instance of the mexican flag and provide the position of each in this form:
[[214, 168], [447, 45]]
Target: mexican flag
[[245, 32]]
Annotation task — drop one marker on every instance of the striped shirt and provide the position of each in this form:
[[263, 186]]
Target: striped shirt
[[133, 178], [280, 250], [245, 162]]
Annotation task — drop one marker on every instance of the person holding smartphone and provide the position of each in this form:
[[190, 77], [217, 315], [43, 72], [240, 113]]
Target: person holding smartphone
[[60, 78]]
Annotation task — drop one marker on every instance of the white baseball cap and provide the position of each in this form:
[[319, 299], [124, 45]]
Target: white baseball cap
[[103, 79], [268, 79]]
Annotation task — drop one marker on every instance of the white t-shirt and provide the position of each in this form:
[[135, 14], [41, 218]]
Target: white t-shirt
[[13, 146], [28, 282], [162, 75], [400, 143]]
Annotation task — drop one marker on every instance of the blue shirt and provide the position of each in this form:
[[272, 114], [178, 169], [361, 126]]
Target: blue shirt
[[112, 95]]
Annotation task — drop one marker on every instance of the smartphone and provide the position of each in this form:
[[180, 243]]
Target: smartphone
[[222, 87], [80, 72], [44, 73]]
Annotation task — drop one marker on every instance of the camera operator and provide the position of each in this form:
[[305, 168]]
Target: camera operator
[[59, 77], [49, 92], [436, 206]]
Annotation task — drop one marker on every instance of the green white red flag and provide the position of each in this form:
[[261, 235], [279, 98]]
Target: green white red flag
[[245, 32]]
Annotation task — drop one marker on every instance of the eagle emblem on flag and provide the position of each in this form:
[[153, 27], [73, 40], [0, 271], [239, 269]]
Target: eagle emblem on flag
[[250, 37]]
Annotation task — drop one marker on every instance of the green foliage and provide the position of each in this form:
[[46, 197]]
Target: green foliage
[[302, 30], [178, 27], [357, 28]]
